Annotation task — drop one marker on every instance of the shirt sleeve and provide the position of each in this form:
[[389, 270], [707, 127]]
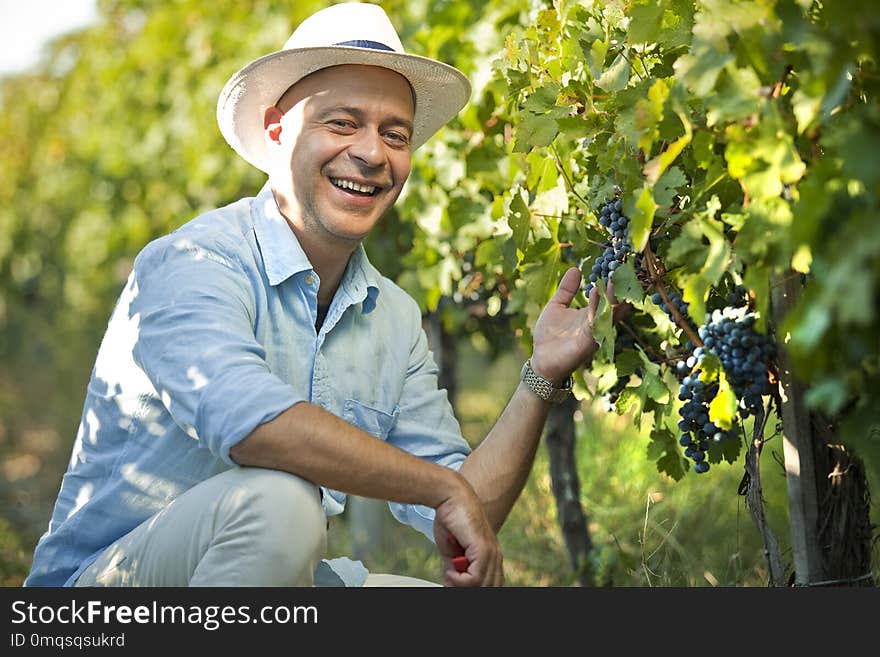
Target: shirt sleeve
[[195, 310], [426, 425]]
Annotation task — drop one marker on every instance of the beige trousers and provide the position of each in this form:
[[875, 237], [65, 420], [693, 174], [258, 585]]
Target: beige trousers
[[243, 527]]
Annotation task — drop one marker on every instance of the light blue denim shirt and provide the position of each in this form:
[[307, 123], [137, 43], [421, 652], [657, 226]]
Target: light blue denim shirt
[[214, 334]]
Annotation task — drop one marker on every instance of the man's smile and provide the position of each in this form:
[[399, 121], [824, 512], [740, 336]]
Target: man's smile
[[351, 185]]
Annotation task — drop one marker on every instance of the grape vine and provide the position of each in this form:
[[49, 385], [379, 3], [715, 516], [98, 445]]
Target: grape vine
[[727, 335]]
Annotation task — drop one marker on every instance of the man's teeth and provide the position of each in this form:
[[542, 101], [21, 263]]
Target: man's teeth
[[347, 184]]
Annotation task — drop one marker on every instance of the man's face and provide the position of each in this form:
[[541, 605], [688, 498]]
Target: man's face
[[345, 133]]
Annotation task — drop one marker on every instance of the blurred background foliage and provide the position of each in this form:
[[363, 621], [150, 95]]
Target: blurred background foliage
[[112, 142]]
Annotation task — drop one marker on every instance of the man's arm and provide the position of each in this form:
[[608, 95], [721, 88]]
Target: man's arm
[[314, 444], [499, 467]]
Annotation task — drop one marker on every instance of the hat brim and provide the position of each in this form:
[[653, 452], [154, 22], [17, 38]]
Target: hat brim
[[440, 90]]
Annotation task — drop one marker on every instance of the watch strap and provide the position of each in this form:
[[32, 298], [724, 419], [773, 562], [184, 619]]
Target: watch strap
[[544, 388]]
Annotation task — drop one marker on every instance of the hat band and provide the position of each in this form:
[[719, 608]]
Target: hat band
[[363, 43]]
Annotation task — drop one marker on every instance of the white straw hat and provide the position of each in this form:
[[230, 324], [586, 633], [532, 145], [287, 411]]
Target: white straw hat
[[346, 33]]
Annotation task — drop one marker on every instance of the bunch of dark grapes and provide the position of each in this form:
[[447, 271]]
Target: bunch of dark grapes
[[611, 217], [697, 430], [730, 335]]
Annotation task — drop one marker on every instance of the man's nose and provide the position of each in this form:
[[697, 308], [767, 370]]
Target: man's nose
[[368, 148]]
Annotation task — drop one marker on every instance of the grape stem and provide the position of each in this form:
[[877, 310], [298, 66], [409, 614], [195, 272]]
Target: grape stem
[[657, 280], [568, 180], [622, 52]]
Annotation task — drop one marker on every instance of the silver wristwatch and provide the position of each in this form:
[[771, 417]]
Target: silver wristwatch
[[544, 388]]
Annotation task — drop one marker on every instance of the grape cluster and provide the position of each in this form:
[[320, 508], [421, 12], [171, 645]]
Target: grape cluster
[[611, 217], [730, 335], [697, 430]]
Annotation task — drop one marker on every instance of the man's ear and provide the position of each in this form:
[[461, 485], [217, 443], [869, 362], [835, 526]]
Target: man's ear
[[272, 124]]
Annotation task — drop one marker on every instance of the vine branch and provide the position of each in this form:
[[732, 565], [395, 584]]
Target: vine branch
[[568, 180], [657, 280]]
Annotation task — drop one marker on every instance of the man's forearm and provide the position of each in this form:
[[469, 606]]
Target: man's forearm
[[499, 467], [310, 442]]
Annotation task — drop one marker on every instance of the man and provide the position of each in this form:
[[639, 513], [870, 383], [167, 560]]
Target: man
[[257, 368]]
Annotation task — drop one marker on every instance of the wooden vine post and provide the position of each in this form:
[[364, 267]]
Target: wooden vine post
[[560, 442], [797, 437]]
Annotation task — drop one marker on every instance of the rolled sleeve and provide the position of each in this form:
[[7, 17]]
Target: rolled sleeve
[[195, 315]]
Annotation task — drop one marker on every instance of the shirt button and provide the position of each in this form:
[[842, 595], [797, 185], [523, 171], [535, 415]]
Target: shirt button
[[310, 280]]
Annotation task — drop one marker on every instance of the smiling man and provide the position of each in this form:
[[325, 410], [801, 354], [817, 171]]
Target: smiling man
[[257, 368]]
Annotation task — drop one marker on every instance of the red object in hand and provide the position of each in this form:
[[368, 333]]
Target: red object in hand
[[461, 562]]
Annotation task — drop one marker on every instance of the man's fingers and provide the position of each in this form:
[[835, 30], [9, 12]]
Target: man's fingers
[[592, 306], [568, 287], [609, 293]]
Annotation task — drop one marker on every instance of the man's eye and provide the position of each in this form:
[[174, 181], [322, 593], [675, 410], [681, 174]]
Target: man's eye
[[398, 137], [342, 123]]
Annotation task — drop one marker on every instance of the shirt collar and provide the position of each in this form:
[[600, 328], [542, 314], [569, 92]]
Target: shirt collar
[[361, 280], [283, 255]]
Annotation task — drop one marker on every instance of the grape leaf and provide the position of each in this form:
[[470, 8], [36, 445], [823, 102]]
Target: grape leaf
[[626, 285], [616, 76], [664, 447], [543, 99], [535, 130], [628, 361], [722, 409], [642, 218], [654, 168], [668, 185], [519, 219]]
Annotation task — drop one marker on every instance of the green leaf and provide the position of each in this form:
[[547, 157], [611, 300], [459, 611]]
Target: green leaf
[[644, 22], [549, 176], [606, 375], [664, 447], [736, 96], [543, 270], [519, 219], [696, 288], [630, 400], [722, 409], [615, 77], [627, 362], [829, 395], [711, 368], [535, 131], [688, 243], [543, 99], [626, 285], [603, 327], [488, 253], [668, 185], [700, 70], [596, 56], [656, 166], [655, 388], [642, 218], [665, 22], [703, 149]]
